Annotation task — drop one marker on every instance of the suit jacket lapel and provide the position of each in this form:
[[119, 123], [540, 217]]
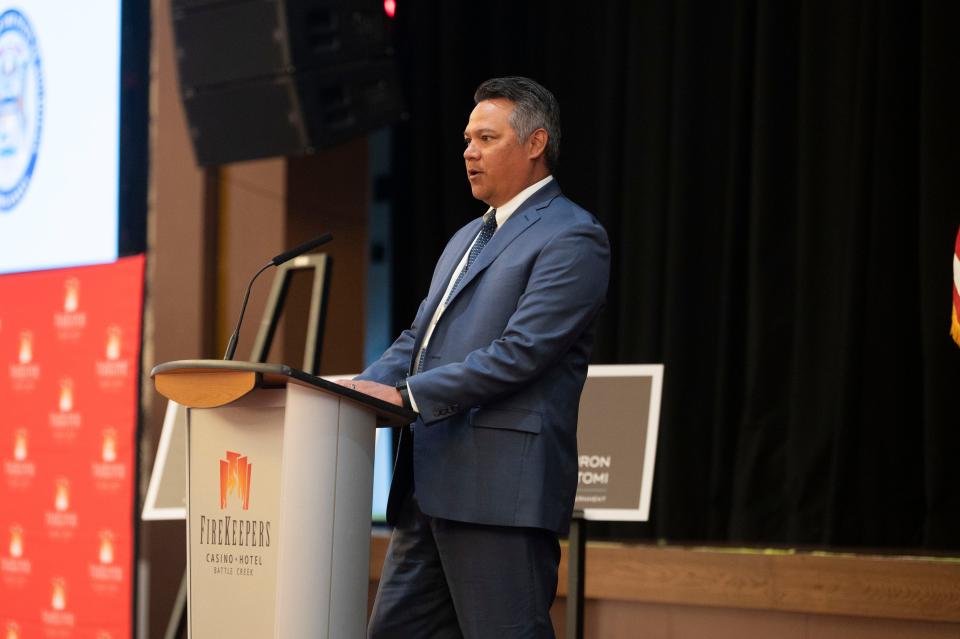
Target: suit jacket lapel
[[528, 213], [454, 255]]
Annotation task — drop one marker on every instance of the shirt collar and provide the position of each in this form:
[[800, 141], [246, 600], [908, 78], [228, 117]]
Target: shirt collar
[[508, 209]]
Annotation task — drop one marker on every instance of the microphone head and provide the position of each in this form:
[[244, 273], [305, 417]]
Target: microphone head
[[301, 249]]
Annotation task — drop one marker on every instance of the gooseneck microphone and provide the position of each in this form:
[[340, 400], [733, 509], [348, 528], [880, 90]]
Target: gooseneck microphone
[[277, 260], [300, 249]]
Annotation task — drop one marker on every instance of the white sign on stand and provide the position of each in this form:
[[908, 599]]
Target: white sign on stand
[[617, 441]]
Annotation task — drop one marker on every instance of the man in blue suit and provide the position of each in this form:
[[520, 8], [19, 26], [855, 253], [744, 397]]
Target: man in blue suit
[[494, 364]]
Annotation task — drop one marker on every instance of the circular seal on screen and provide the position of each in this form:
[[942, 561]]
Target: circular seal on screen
[[21, 106]]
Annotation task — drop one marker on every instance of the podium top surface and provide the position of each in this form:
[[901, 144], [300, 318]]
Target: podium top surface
[[207, 383]]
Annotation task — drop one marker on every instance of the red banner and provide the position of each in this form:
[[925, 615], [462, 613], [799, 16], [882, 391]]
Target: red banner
[[69, 364]]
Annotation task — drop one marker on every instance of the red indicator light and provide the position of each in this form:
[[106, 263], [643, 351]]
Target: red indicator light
[[390, 7]]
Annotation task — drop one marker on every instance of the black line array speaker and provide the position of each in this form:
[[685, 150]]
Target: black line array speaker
[[263, 78]]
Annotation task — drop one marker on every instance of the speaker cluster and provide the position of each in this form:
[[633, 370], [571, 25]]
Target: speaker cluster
[[264, 78]]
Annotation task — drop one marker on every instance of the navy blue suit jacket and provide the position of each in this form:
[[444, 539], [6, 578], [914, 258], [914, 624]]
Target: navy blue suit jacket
[[499, 392]]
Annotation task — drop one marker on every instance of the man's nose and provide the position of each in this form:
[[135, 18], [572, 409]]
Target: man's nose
[[471, 152]]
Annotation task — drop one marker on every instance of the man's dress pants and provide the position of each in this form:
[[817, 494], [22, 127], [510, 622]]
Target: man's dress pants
[[445, 579]]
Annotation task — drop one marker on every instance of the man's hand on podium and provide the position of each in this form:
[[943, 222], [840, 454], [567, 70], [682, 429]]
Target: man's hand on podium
[[380, 391]]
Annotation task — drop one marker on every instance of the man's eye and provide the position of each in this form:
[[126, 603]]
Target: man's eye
[[485, 138]]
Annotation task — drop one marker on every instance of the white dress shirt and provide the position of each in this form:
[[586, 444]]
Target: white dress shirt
[[503, 214]]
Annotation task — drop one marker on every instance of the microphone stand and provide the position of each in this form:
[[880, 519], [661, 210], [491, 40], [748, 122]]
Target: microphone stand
[[276, 261]]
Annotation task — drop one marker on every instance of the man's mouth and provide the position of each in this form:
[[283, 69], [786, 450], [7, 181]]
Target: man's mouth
[[473, 173]]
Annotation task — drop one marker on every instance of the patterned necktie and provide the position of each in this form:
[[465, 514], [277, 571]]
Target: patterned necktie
[[486, 232]]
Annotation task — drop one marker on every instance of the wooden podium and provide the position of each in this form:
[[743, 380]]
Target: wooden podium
[[279, 491]]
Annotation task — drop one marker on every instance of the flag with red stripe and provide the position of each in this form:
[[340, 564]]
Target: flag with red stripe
[[954, 321]]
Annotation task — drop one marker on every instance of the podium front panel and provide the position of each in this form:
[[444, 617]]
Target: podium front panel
[[325, 542], [233, 520]]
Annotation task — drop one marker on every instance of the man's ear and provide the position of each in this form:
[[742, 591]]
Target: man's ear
[[537, 143]]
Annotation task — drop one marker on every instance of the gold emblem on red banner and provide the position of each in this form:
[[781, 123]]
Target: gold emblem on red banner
[[106, 547], [65, 422], [58, 596], [108, 451], [113, 343], [106, 470], [71, 322], [113, 371], [66, 395], [20, 444], [25, 355], [16, 541], [61, 502], [235, 477], [20, 470], [24, 373], [71, 298]]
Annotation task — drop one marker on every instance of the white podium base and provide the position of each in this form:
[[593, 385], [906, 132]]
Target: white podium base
[[278, 523]]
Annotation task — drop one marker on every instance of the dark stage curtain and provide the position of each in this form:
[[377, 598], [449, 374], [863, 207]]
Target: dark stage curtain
[[779, 182]]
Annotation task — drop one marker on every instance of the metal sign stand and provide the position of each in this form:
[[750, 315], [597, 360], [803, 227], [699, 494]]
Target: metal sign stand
[[576, 565], [617, 428]]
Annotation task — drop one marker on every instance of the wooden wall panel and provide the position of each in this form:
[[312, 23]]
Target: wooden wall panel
[[689, 593]]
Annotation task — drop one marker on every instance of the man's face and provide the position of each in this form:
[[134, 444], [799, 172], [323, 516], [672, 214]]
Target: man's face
[[498, 165]]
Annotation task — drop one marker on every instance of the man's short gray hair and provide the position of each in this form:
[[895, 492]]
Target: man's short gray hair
[[534, 108]]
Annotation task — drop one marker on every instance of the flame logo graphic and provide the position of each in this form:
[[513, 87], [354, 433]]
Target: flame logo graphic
[[62, 499], [20, 444], [58, 596], [66, 395], [235, 477], [113, 343], [106, 547], [16, 541], [13, 631], [25, 356], [71, 298], [108, 452]]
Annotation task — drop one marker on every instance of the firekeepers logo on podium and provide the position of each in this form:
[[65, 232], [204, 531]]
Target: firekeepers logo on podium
[[235, 475], [21, 106]]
